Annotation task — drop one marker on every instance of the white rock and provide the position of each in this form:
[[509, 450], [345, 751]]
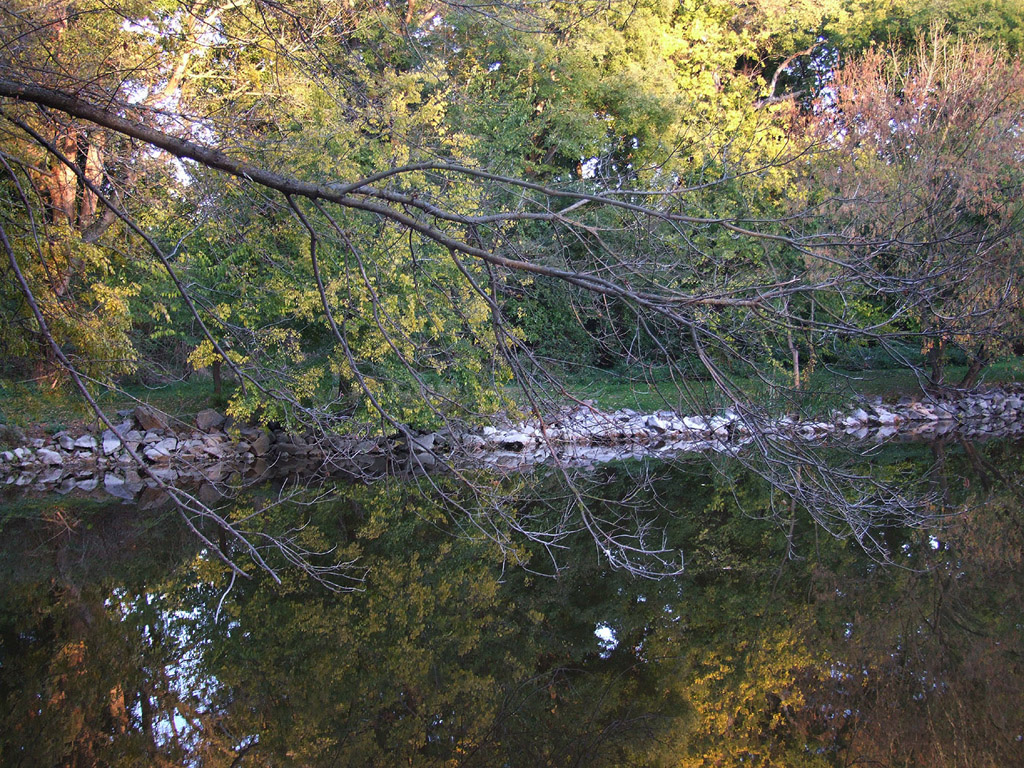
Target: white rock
[[423, 443], [887, 418], [516, 441], [860, 416], [86, 442], [717, 422], [52, 458], [166, 474], [50, 476], [116, 487], [698, 423], [162, 449], [656, 423]]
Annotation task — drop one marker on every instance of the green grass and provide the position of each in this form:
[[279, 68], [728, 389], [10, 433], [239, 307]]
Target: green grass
[[28, 405], [826, 388], [43, 410]]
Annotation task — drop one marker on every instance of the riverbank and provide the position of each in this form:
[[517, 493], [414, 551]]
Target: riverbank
[[212, 450]]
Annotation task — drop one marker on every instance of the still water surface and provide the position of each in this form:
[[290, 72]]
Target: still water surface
[[122, 642]]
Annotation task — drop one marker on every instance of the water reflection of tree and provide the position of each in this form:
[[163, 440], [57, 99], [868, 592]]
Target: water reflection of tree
[[777, 646], [929, 668]]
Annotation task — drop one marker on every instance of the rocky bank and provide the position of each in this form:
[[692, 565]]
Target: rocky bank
[[213, 450]]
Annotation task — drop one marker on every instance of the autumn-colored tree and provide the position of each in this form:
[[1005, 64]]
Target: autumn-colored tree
[[921, 165]]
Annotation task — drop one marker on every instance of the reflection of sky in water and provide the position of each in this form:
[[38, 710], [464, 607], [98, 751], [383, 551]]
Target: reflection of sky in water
[[180, 633], [606, 639]]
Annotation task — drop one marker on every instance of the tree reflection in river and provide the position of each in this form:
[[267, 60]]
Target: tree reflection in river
[[779, 645]]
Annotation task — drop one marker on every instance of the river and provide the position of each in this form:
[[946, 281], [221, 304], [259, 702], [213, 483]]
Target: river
[[497, 626]]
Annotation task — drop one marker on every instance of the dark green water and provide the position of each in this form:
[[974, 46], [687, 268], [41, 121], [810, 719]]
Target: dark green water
[[466, 643]]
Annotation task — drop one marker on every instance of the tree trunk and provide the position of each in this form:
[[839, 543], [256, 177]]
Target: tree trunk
[[216, 377], [978, 363], [936, 360]]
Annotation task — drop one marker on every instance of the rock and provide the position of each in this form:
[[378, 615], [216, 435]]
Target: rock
[[167, 445], [718, 422], [472, 442], [422, 443], [656, 424], [214, 449], [190, 447], [261, 445], [120, 429], [162, 450], [421, 460], [48, 457], [110, 445], [217, 472], [209, 419], [860, 416], [50, 476], [695, 423], [209, 494], [149, 418], [116, 486], [87, 485], [887, 418], [515, 441], [166, 474], [65, 442], [152, 498]]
